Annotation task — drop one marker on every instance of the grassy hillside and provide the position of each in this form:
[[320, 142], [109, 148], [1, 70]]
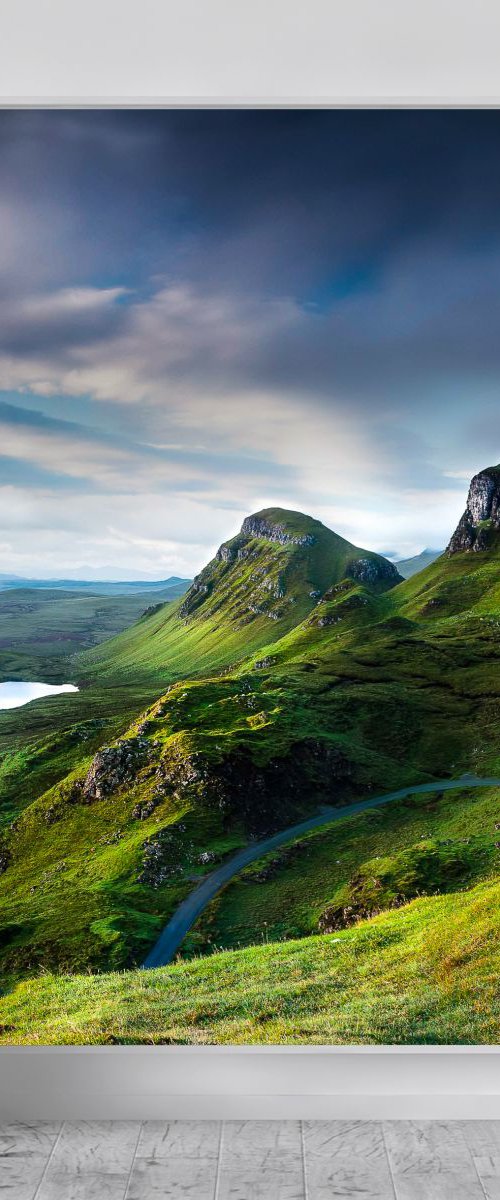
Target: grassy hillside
[[295, 672], [355, 867], [425, 974], [260, 585]]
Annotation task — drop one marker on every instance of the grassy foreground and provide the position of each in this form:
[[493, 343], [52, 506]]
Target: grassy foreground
[[424, 974]]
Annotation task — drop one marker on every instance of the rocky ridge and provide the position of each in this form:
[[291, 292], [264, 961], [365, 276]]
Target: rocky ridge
[[481, 516], [372, 570], [257, 526]]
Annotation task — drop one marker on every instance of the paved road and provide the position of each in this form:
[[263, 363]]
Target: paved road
[[191, 908]]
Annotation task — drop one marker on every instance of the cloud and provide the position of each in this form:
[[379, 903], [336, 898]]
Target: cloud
[[204, 312], [61, 452], [148, 534]]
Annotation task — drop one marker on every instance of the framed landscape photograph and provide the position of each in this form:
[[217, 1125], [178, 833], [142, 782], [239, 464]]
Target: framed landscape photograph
[[249, 577]]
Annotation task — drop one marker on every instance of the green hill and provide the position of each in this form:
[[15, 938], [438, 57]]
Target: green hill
[[296, 671], [292, 554], [259, 585]]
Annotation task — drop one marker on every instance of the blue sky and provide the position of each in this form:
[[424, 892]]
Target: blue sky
[[202, 313]]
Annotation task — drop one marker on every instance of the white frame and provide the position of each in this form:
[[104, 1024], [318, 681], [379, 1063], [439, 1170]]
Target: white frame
[[267, 53]]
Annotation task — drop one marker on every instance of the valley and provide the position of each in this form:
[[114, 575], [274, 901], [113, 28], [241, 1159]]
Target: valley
[[42, 625]]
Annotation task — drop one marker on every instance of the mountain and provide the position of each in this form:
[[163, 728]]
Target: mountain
[[261, 583], [295, 672], [410, 566], [277, 556]]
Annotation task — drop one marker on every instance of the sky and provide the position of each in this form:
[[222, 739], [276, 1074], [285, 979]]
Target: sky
[[204, 313]]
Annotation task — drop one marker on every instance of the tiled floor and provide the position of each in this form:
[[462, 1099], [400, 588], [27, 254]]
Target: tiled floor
[[251, 1160]]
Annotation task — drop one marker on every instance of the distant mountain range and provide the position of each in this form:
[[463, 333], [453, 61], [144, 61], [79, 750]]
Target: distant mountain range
[[174, 585], [130, 587], [410, 566]]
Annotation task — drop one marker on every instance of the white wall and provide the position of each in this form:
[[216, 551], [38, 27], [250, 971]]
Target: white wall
[[248, 1082], [441, 51], [257, 50]]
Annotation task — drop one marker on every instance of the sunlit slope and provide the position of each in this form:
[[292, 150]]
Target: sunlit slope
[[424, 974], [355, 697], [453, 585], [256, 587], [261, 584]]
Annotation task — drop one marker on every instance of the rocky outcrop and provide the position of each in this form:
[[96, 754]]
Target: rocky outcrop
[[482, 513], [198, 592], [264, 797], [373, 570], [152, 610], [258, 527], [226, 553], [114, 765], [162, 859]]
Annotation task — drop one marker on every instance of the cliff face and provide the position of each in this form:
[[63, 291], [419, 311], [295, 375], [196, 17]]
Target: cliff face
[[482, 513], [373, 570], [259, 527]]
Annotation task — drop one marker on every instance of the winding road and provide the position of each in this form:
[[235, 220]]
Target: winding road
[[194, 904]]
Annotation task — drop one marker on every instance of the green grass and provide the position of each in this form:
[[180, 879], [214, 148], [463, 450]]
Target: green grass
[[425, 843], [393, 700], [424, 974], [41, 628]]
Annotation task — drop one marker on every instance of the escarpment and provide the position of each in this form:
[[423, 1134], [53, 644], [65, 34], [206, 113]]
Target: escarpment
[[481, 519]]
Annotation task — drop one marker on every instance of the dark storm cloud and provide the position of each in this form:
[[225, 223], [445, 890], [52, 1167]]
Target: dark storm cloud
[[319, 190], [264, 304], [382, 226]]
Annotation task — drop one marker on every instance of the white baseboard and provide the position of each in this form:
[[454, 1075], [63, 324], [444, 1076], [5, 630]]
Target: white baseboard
[[187, 1082]]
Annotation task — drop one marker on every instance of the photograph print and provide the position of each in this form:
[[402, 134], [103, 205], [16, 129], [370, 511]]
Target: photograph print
[[249, 577]]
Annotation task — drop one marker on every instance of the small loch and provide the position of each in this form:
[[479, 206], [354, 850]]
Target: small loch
[[13, 695]]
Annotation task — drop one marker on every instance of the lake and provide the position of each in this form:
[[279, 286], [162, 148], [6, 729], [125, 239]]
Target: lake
[[12, 695]]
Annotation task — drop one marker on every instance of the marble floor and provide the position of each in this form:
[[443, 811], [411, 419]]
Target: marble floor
[[251, 1160]]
